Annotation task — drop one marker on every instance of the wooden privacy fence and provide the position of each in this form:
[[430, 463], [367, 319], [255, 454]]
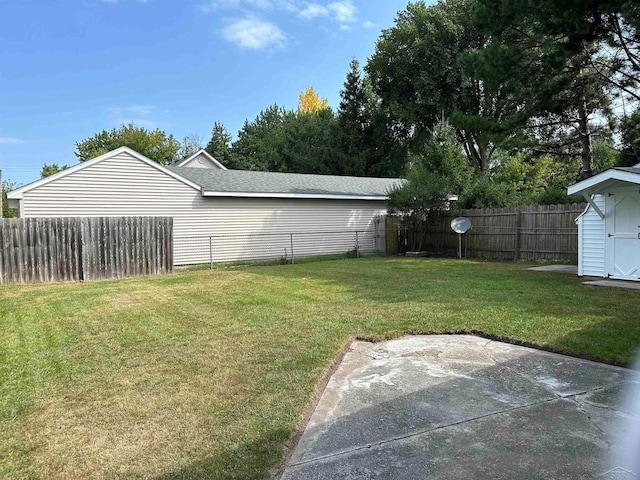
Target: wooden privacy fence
[[520, 233], [37, 250]]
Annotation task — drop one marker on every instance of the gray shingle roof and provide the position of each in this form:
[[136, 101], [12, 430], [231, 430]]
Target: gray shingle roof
[[244, 181]]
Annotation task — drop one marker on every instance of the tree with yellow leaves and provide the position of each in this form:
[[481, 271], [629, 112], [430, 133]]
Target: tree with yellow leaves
[[310, 102]]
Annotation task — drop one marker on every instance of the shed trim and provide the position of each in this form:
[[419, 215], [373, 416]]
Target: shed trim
[[590, 201]]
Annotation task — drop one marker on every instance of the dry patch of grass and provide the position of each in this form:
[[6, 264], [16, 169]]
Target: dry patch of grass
[[120, 431], [205, 374]]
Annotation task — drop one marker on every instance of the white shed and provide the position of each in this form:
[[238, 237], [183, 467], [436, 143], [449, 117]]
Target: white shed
[[609, 228], [230, 214]]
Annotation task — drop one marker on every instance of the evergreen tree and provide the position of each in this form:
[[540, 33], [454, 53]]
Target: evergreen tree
[[260, 142], [364, 141], [549, 59], [353, 125], [219, 147]]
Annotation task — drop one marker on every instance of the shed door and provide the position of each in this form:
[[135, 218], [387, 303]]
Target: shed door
[[623, 235]]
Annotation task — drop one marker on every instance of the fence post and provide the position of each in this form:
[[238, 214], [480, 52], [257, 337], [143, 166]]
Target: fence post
[[516, 243], [292, 255], [357, 246], [210, 253]]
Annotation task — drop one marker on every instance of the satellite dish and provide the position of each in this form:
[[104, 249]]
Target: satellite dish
[[460, 224]]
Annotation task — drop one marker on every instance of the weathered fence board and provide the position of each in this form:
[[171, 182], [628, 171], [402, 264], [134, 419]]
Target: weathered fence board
[[37, 250], [521, 233]]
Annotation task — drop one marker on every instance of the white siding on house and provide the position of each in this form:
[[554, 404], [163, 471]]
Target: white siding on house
[[591, 231], [125, 186], [254, 228]]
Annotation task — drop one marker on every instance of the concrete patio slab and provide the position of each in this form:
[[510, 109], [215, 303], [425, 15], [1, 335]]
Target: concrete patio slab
[[460, 406], [556, 268], [614, 283]]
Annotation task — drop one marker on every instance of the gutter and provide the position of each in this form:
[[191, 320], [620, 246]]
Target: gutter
[[324, 196]]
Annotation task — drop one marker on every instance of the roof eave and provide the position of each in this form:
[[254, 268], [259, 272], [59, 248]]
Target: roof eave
[[324, 196], [589, 185]]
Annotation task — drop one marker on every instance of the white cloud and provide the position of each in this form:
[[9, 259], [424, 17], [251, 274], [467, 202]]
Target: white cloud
[[342, 12], [10, 141], [254, 34], [313, 10], [286, 5], [369, 24]]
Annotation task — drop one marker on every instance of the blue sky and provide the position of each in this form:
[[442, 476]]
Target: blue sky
[[69, 69]]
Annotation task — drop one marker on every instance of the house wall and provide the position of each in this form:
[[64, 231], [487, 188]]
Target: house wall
[[591, 241], [243, 228]]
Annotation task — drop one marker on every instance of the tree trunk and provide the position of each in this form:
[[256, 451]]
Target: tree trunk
[[585, 140]]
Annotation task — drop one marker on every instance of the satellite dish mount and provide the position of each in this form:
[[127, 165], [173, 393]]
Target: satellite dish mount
[[460, 225]]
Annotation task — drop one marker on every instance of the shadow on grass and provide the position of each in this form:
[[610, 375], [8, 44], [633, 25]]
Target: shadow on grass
[[501, 299], [245, 461]]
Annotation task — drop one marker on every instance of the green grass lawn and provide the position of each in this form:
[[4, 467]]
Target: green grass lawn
[[206, 374]]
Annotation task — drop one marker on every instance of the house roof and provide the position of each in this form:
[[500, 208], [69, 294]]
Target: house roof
[[606, 179], [184, 161], [244, 183], [241, 183]]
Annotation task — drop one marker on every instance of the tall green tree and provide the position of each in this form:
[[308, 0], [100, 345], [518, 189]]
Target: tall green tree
[[439, 171], [154, 144], [630, 154], [219, 147], [363, 137], [260, 142], [554, 60], [353, 123], [416, 73], [308, 145], [281, 140]]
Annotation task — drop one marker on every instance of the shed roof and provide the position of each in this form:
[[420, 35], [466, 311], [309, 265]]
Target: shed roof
[[244, 183], [609, 178]]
